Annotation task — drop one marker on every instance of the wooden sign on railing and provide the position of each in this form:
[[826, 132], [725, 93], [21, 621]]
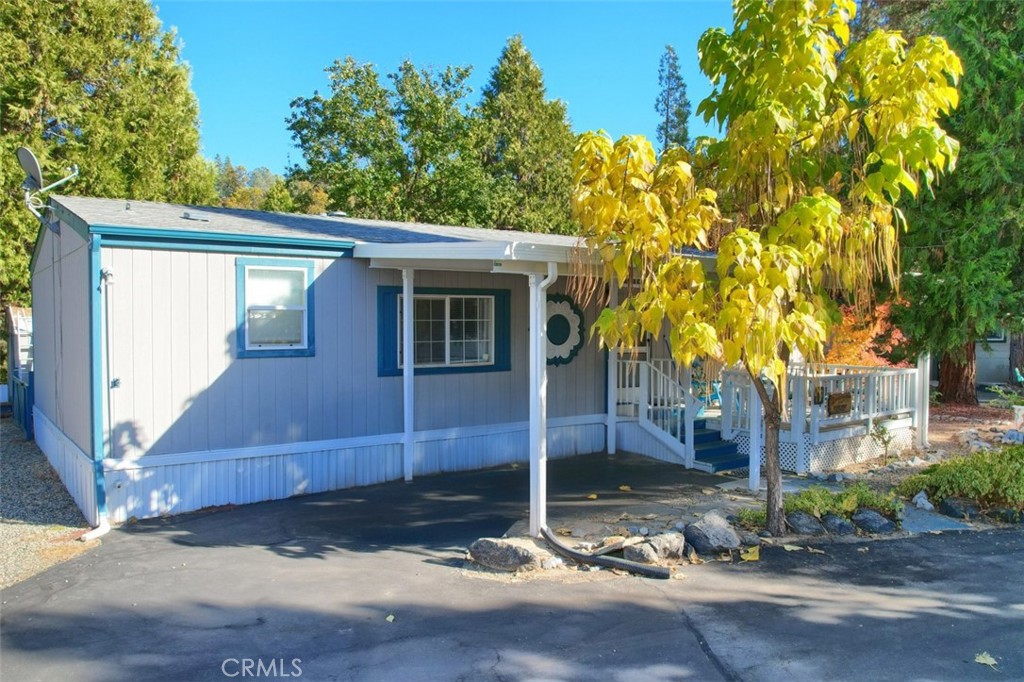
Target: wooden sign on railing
[[840, 403]]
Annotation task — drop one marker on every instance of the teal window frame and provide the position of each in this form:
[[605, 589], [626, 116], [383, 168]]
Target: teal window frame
[[241, 266], [388, 341]]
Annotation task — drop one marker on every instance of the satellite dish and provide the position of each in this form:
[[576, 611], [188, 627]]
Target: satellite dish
[[33, 184], [30, 164]]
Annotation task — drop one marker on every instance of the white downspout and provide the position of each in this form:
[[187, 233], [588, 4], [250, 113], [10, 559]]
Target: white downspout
[[539, 399], [408, 413]]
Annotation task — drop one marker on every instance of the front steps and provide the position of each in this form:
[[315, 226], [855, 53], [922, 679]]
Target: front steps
[[711, 453]]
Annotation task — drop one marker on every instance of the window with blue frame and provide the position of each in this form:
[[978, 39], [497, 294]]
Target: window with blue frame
[[454, 331], [275, 307]]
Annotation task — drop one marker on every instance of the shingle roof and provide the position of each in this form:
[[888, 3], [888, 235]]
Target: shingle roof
[[234, 221]]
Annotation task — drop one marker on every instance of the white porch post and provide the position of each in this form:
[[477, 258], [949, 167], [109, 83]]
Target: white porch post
[[689, 405], [407, 372], [798, 418], [613, 378], [924, 371], [539, 399], [754, 414]]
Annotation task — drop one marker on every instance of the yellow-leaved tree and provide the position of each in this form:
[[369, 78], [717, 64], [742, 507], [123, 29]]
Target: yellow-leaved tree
[[822, 138]]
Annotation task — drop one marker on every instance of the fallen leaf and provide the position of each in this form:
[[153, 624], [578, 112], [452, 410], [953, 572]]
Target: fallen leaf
[[625, 488], [752, 554], [792, 548], [564, 531], [649, 517], [678, 576], [815, 551], [985, 658], [708, 491], [390, 618], [864, 549], [592, 496]]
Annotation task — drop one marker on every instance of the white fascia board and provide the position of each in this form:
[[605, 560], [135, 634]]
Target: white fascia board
[[431, 251]]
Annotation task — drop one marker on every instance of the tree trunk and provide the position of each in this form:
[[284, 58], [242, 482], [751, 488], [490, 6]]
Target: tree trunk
[[1016, 357], [776, 518], [957, 379]]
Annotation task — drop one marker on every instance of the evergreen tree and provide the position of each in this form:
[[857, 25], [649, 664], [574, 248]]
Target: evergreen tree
[[672, 106], [95, 83], [966, 243], [526, 143]]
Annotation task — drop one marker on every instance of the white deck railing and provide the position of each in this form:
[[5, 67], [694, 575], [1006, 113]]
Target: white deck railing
[[874, 393], [664, 399]]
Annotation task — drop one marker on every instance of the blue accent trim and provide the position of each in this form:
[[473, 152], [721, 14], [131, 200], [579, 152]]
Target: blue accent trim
[[201, 237], [387, 331], [204, 247], [96, 369], [240, 307]]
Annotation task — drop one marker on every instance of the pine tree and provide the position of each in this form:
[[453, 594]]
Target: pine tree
[[672, 106], [95, 83], [526, 144]]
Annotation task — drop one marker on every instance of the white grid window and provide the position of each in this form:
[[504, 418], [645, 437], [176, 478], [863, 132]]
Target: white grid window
[[275, 308], [450, 331]]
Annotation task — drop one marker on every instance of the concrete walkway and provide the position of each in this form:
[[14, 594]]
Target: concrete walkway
[[369, 584]]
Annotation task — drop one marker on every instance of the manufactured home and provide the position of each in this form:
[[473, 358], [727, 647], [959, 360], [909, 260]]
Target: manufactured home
[[190, 357]]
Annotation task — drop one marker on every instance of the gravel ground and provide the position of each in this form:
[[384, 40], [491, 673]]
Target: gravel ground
[[39, 522]]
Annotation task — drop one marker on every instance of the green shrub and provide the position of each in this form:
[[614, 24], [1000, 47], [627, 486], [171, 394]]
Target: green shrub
[[752, 519], [818, 501], [992, 479]]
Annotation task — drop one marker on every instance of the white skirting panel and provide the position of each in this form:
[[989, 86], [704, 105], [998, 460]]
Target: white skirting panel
[[176, 483], [156, 490], [75, 468], [631, 437]]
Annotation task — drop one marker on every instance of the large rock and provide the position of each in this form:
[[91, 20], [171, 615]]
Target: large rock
[[921, 501], [959, 508], [502, 555], [837, 525], [642, 554], [669, 545], [803, 523], [870, 521], [712, 534]]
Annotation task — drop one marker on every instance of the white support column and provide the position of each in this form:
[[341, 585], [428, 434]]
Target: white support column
[[539, 399], [754, 414], [689, 410], [408, 355], [798, 418], [613, 379], [872, 405], [727, 390], [922, 395]]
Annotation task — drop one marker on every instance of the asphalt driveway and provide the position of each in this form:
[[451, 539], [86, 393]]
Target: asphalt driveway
[[368, 584]]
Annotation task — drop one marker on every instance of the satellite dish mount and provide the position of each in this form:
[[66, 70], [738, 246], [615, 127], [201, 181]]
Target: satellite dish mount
[[33, 184]]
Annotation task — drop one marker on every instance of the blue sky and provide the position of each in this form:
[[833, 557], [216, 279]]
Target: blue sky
[[250, 59]]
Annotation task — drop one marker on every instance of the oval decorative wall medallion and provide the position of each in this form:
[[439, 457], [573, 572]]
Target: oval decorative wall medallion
[[565, 329]]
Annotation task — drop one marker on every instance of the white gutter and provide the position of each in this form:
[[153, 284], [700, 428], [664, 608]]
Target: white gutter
[[539, 398]]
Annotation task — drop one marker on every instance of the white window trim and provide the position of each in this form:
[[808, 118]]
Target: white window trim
[[447, 330], [304, 308]]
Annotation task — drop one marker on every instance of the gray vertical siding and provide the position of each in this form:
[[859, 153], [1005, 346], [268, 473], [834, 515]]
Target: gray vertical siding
[[183, 389], [60, 322]]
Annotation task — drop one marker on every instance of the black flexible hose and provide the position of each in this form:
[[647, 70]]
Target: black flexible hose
[[644, 570]]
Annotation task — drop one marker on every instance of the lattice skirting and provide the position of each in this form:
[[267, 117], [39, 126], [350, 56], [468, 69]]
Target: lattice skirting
[[832, 454]]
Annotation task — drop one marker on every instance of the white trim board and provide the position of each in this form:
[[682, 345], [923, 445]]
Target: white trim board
[[339, 443]]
